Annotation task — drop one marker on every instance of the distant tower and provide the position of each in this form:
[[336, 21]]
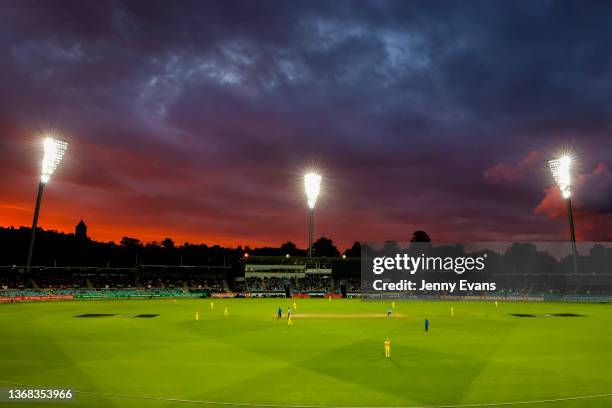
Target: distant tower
[[80, 231]]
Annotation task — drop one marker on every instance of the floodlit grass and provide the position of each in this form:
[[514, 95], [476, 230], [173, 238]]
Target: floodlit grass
[[334, 356]]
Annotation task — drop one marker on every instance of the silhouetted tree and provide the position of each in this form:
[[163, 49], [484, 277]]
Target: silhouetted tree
[[288, 248], [325, 247], [354, 251], [420, 236], [168, 243], [595, 262], [128, 242]]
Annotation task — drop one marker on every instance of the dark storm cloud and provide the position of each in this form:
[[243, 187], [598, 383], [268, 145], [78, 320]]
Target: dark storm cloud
[[595, 190], [202, 115]]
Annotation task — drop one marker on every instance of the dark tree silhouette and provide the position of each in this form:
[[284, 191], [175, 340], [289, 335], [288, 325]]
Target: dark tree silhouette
[[288, 248], [354, 251], [167, 243], [131, 243], [325, 247], [420, 236]]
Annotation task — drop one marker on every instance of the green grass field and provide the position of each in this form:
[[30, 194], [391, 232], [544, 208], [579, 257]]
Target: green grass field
[[332, 356]]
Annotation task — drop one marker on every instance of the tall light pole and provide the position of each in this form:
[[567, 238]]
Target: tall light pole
[[312, 185], [54, 151], [561, 170]]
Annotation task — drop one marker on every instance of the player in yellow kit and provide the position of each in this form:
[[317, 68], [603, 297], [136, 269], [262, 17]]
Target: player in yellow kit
[[289, 321], [388, 348], [197, 315], [226, 312], [212, 305]]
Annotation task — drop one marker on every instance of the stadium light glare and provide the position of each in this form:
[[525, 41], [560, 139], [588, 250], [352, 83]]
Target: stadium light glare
[[561, 170], [312, 186], [54, 151]]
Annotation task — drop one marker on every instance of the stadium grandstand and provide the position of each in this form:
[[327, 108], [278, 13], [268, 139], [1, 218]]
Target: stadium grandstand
[[259, 276], [286, 276], [262, 276]]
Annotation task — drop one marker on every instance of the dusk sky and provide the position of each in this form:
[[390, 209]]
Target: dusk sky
[[196, 120]]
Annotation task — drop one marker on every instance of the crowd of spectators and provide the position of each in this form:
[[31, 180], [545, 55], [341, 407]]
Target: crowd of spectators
[[354, 285], [13, 282], [63, 281], [56, 279], [267, 284], [314, 282], [308, 283], [49, 280]]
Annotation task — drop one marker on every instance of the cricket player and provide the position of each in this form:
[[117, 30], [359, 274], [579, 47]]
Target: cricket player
[[197, 315], [226, 312], [452, 312], [280, 313], [393, 305], [212, 305], [496, 303], [389, 311], [289, 321], [426, 325], [289, 312], [294, 306], [388, 348]]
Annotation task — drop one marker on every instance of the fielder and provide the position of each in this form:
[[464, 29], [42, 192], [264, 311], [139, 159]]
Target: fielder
[[226, 312], [387, 348]]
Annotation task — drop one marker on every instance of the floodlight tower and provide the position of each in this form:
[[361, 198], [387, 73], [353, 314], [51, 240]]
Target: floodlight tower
[[54, 151], [312, 185], [561, 170]]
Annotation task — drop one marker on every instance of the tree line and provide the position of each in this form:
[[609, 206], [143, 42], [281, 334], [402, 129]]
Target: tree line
[[55, 248]]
